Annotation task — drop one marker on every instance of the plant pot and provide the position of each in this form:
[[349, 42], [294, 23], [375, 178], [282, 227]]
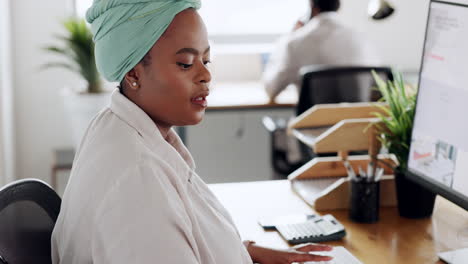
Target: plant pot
[[414, 201], [80, 108]]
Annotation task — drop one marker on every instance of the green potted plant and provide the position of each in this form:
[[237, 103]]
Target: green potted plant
[[414, 201], [81, 102]]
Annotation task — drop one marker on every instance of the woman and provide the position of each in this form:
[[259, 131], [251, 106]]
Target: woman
[[133, 195]]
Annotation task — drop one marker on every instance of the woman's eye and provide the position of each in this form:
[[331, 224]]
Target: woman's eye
[[207, 62], [183, 65]]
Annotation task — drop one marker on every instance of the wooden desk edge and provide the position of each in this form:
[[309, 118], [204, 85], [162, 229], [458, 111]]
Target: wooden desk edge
[[250, 107]]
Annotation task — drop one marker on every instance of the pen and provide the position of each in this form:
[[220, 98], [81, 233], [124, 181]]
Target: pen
[[350, 170], [361, 172], [379, 174]]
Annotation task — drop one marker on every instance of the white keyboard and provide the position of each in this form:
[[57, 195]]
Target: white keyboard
[[340, 256]]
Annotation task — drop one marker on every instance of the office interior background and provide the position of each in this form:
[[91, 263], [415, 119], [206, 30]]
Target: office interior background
[[229, 146]]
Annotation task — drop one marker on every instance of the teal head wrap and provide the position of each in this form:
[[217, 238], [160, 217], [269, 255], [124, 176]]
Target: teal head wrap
[[125, 30]]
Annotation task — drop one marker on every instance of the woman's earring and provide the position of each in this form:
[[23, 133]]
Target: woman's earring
[[134, 84]]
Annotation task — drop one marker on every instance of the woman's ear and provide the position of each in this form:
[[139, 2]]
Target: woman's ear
[[132, 79]]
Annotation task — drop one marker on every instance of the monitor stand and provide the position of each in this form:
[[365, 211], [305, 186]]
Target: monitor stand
[[458, 256]]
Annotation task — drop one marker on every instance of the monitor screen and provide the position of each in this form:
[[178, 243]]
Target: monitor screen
[[439, 148]]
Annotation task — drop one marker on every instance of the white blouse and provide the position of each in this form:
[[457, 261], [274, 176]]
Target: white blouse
[[134, 197]]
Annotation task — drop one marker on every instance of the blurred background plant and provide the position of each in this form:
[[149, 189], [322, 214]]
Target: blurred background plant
[[78, 47]]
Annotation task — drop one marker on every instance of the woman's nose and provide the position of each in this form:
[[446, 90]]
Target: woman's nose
[[204, 75]]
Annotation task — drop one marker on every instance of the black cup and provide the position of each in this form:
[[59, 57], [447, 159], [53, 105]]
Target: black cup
[[365, 201]]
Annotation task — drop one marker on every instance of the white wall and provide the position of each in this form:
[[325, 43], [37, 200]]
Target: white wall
[[3, 11], [399, 37], [39, 121], [7, 151]]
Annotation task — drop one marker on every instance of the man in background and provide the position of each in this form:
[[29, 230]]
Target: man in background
[[317, 39]]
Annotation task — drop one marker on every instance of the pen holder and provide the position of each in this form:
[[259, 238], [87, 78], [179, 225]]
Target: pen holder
[[365, 201]]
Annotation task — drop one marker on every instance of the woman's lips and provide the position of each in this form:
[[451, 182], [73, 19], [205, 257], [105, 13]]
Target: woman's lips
[[200, 100]]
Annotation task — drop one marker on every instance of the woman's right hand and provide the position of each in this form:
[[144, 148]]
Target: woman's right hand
[[300, 253], [298, 25]]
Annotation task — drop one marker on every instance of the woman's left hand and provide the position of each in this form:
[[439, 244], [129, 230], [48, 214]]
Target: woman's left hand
[[299, 253]]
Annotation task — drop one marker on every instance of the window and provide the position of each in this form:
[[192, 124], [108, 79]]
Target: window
[[82, 6], [243, 20], [252, 17]]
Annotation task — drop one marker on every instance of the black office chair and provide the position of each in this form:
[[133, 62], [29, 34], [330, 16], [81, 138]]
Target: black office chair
[[323, 85], [330, 85], [28, 211]]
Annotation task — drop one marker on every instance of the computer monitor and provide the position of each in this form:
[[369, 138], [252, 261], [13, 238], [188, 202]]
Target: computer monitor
[[439, 147], [438, 157]]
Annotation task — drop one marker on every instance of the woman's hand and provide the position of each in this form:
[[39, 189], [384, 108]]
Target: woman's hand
[[299, 253], [298, 25]]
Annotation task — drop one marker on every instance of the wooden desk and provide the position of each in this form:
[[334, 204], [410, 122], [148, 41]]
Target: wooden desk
[[247, 95], [391, 240]]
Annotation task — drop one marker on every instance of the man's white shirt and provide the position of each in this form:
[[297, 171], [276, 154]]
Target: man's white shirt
[[324, 40]]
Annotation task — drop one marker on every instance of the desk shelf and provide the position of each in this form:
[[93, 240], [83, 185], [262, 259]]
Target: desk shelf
[[323, 115], [349, 135], [324, 167], [340, 128]]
